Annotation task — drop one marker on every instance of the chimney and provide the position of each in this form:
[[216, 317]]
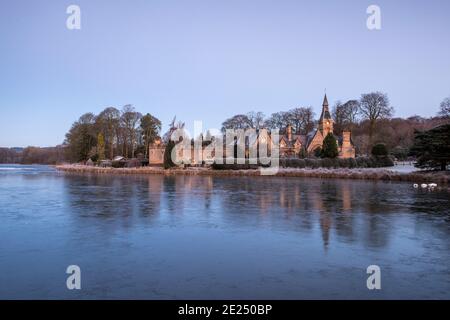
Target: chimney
[[289, 132], [346, 137]]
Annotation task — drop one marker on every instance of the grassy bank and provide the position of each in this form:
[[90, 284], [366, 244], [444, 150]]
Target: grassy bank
[[366, 174]]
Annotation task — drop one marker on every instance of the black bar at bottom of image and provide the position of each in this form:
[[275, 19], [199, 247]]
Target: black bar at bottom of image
[[225, 309]]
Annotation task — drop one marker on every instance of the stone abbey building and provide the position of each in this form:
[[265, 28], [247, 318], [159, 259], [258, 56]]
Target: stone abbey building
[[290, 144]]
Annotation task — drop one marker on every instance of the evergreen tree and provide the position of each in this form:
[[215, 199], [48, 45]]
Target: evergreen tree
[[432, 148], [329, 147], [150, 127], [168, 163], [81, 138]]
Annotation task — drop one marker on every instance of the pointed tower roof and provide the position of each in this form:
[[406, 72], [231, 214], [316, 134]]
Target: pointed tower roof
[[325, 111], [325, 100]]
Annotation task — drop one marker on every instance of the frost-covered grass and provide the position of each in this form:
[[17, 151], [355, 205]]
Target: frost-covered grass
[[341, 173]]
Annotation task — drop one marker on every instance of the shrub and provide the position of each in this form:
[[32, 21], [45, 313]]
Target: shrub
[[327, 163], [400, 153], [352, 163], [295, 163], [361, 162], [318, 152], [312, 163], [234, 166], [379, 149], [301, 163], [342, 163], [384, 161]]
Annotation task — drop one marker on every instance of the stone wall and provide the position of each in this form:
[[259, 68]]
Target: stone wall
[[156, 155]]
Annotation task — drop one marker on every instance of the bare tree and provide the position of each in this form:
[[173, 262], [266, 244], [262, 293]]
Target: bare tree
[[277, 120], [239, 121], [256, 119], [351, 112], [129, 120], [150, 127], [375, 106], [345, 115], [445, 108], [108, 121], [302, 119], [338, 116]]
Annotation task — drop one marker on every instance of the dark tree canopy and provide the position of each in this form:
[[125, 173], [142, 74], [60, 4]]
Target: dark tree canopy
[[111, 132], [379, 149], [168, 163], [150, 127], [81, 138], [239, 121], [432, 148], [329, 147]]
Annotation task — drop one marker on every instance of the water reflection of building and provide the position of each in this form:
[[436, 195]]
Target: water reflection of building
[[341, 209]]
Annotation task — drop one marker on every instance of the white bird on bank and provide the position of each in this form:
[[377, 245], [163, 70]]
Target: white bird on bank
[[432, 185], [415, 185], [424, 185]]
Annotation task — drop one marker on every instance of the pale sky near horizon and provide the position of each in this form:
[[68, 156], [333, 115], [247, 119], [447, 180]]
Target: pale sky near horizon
[[208, 60]]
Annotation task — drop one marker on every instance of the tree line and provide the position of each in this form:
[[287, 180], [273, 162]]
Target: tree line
[[370, 118], [112, 132], [33, 155], [126, 132]]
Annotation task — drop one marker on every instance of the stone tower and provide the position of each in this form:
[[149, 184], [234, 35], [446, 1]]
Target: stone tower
[[325, 121]]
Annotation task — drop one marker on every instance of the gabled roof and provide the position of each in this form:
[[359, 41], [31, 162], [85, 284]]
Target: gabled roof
[[295, 137]]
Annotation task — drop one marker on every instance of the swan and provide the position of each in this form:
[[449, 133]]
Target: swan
[[415, 185], [424, 185]]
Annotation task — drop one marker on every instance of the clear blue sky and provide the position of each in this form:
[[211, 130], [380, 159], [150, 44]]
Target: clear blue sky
[[208, 60]]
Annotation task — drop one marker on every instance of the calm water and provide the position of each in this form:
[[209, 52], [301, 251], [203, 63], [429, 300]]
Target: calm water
[[155, 237]]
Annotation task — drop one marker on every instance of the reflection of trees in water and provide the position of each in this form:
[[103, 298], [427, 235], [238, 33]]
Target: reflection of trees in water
[[181, 192], [115, 199], [334, 205], [352, 211]]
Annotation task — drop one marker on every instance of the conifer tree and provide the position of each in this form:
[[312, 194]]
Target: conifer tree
[[329, 147]]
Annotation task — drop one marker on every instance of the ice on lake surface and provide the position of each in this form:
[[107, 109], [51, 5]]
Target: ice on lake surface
[[199, 237]]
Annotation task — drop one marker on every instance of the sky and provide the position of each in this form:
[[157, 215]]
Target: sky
[[209, 60]]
